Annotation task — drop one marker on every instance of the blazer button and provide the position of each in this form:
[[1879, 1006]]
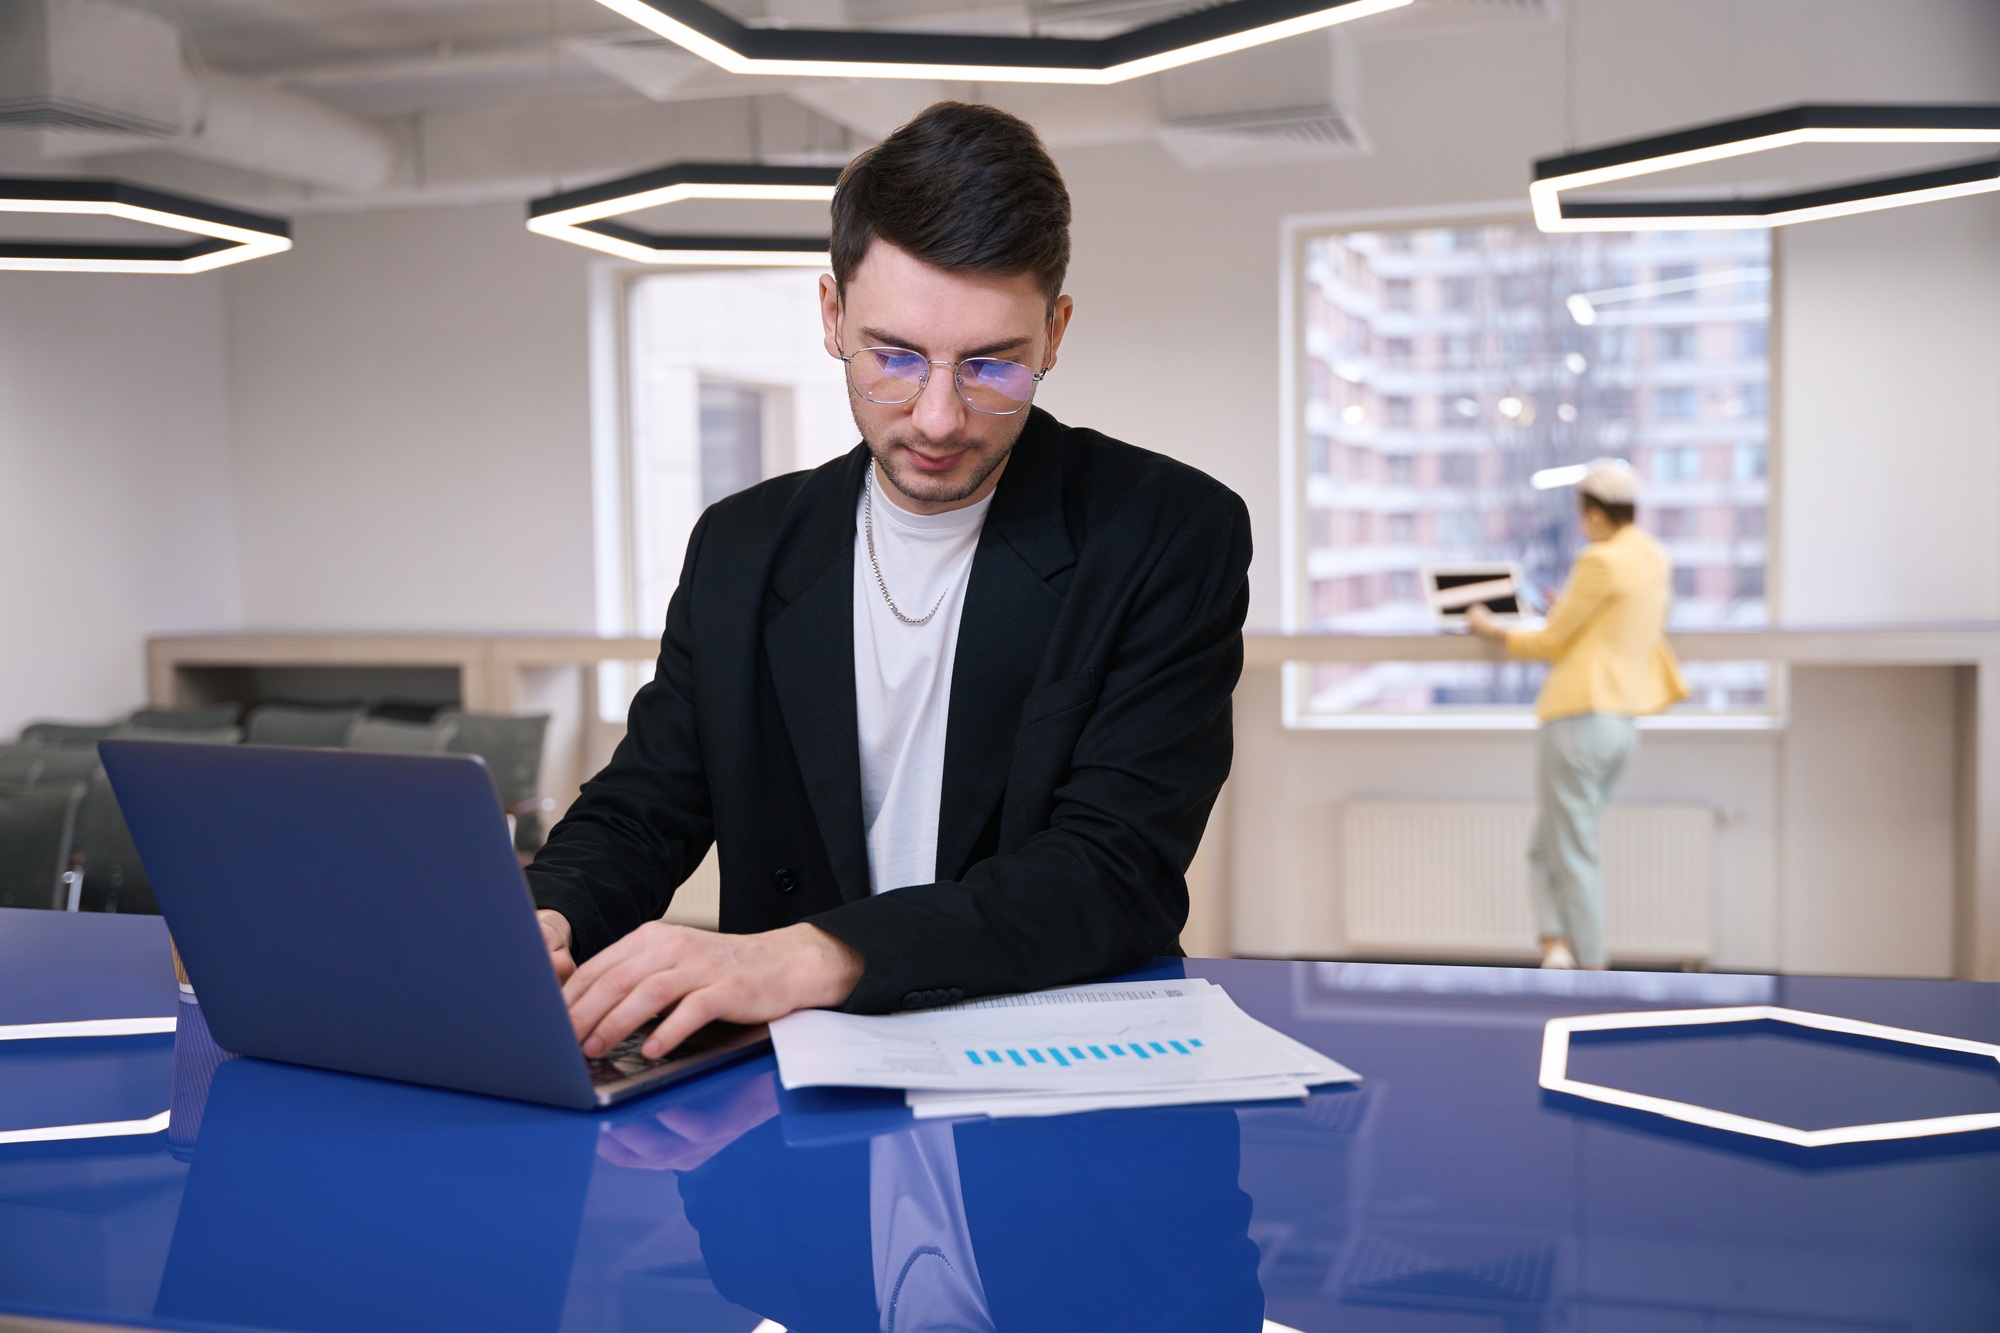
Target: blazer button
[[784, 881]]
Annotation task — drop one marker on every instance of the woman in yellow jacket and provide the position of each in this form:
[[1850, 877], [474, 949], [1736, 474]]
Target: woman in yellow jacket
[[1606, 638]]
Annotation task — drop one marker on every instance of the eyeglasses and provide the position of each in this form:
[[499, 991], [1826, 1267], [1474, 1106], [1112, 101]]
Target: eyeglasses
[[895, 375]]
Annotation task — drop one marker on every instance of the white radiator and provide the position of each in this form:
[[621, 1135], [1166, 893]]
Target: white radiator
[[1450, 881]]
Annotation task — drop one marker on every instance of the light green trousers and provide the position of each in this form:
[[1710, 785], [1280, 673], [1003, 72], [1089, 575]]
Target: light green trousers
[[1577, 762]]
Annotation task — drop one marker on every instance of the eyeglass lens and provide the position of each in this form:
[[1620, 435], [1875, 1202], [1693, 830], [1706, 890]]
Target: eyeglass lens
[[891, 375]]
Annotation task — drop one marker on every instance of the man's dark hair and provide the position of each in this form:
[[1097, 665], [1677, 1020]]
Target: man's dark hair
[[1619, 515], [965, 188]]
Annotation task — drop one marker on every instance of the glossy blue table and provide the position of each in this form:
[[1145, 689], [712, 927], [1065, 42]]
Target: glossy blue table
[[1447, 1192]]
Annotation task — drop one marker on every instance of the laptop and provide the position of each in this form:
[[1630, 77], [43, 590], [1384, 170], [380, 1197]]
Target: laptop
[[366, 913], [1452, 589]]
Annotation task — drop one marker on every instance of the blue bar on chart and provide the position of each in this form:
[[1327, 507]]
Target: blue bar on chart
[[1068, 1057]]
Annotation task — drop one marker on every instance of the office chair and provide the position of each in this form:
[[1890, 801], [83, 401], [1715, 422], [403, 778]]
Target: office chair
[[321, 727], [216, 717], [114, 879], [512, 749], [37, 825], [66, 733], [387, 736]]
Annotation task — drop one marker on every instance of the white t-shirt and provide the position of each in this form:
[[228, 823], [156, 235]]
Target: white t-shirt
[[926, 1276], [902, 676]]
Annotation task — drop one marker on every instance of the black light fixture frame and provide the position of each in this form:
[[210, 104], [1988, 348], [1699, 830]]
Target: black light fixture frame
[[1818, 123], [132, 256], [1061, 59], [712, 180]]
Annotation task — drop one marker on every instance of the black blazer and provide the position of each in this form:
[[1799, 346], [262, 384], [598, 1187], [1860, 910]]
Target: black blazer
[[1088, 729]]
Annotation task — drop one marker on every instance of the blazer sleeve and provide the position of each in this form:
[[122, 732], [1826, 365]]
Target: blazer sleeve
[[1101, 886], [643, 824], [1589, 587]]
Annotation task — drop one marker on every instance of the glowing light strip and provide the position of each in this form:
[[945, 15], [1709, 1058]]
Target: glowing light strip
[[719, 54], [108, 1129], [566, 225], [1552, 478], [1544, 195], [88, 1027], [248, 244], [1555, 1073]]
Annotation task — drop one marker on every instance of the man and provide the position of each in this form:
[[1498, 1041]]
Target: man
[[954, 707], [1606, 635]]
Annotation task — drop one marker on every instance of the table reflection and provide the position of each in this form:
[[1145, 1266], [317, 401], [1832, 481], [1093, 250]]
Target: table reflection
[[318, 1200], [1107, 1221]]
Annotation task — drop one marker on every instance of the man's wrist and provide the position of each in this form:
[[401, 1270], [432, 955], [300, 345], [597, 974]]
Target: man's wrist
[[557, 922], [832, 968]]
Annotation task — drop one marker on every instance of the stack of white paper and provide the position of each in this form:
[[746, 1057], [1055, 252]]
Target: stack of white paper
[[1079, 1048]]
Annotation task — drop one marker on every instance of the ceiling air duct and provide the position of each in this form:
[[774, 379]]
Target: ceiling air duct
[[89, 66]]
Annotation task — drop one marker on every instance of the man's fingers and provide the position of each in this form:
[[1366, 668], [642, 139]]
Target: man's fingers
[[600, 963], [640, 1002], [689, 1016], [588, 1007], [563, 963]]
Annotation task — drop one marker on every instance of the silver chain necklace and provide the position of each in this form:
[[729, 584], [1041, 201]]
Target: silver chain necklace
[[868, 526]]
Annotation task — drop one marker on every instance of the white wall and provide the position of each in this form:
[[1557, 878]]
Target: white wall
[[411, 425], [114, 482], [1890, 468]]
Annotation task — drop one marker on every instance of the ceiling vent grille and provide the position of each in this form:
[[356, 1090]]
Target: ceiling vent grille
[[649, 65], [1264, 138]]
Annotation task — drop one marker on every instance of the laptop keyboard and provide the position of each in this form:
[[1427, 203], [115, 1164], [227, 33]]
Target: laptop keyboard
[[624, 1060]]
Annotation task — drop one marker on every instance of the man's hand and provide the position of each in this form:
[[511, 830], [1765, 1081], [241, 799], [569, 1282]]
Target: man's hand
[[555, 930], [1482, 622], [690, 1132], [702, 976]]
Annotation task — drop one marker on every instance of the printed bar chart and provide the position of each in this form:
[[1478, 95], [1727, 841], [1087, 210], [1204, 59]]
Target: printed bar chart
[[1071, 1056]]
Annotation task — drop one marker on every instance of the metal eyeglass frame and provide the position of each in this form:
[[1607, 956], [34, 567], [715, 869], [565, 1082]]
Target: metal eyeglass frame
[[957, 378]]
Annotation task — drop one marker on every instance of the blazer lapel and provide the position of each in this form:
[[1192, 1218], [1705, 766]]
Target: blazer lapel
[[809, 644], [1010, 611]]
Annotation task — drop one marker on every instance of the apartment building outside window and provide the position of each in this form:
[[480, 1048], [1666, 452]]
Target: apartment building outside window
[[1442, 367]]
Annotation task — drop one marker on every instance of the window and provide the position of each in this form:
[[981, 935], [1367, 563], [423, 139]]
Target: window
[[1676, 282], [1674, 403], [1673, 343], [732, 439], [1398, 294], [727, 384], [1676, 465], [1499, 372], [1753, 341]]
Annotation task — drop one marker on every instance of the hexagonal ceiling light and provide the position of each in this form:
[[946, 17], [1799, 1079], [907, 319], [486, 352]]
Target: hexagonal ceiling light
[[1555, 1073], [585, 217], [988, 58], [223, 235], [1761, 134]]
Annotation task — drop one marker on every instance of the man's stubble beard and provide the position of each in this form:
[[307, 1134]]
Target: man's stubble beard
[[987, 459]]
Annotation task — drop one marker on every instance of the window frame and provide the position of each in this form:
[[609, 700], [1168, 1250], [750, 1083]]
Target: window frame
[[1296, 231]]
